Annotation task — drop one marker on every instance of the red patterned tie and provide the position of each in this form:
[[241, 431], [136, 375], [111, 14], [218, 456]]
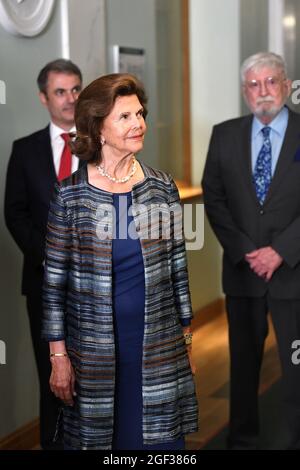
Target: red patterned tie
[[65, 160]]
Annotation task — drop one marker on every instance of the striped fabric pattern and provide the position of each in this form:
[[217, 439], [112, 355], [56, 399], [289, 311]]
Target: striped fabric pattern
[[78, 308]]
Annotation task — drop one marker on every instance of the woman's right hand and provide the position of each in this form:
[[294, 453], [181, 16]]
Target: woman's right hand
[[62, 379]]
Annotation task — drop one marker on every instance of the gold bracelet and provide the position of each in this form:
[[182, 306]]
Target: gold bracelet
[[61, 354], [188, 338]]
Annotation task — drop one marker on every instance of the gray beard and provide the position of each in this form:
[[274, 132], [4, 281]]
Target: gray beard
[[269, 113]]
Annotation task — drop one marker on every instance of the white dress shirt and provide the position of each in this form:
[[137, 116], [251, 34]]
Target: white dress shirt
[[57, 144]]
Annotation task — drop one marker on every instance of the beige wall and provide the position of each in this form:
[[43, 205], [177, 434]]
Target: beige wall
[[204, 270], [214, 59], [214, 70]]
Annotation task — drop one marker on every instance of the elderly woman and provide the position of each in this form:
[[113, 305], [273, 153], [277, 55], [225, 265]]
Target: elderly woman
[[116, 297]]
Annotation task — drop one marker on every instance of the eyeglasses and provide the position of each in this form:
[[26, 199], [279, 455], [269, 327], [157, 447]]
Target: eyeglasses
[[271, 83]]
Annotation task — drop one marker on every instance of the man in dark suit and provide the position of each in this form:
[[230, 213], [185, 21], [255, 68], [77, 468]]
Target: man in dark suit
[[251, 187], [36, 163]]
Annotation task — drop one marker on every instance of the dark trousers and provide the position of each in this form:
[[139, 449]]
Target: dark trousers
[[248, 328], [49, 404]]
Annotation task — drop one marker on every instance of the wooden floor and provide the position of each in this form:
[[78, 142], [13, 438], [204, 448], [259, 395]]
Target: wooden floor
[[210, 352]]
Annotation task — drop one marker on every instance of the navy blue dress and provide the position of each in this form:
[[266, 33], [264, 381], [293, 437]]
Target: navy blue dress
[[128, 306]]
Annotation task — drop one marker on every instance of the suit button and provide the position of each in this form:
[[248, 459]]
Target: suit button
[[261, 212]]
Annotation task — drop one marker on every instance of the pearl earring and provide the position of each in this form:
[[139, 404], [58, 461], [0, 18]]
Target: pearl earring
[[102, 140]]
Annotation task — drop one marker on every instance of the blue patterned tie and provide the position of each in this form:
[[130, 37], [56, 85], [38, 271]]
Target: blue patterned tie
[[263, 168]]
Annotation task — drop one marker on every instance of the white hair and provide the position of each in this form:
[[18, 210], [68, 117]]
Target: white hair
[[263, 59]]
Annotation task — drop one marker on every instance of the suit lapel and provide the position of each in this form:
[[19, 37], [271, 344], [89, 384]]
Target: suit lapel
[[46, 157], [286, 157], [243, 146], [289, 147], [45, 170]]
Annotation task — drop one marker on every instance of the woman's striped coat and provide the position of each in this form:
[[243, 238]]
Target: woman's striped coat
[[78, 308]]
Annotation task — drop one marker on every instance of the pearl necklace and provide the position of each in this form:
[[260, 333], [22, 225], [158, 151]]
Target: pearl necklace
[[124, 179]]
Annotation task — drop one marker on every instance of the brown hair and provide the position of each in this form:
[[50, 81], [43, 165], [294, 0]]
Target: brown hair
[[58, 66], [94, 104]]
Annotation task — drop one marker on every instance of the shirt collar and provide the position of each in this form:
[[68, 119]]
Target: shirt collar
[[55, 131], [278, 124]]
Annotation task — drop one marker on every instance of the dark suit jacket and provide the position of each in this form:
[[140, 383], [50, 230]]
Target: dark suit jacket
[[29, 186], [237, 218]]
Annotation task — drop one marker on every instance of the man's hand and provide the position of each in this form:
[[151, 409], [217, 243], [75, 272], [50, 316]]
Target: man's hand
[[264, 261]]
